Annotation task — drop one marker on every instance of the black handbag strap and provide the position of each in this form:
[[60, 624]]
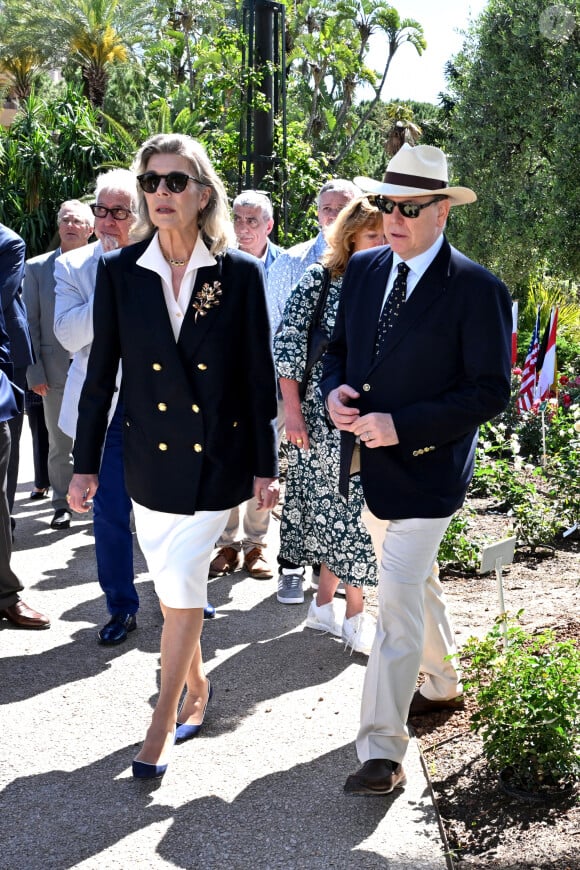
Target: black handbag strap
[[322, 297]]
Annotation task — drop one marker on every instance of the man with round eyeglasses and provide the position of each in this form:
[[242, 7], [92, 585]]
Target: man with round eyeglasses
[[114, 210], [419, 359]]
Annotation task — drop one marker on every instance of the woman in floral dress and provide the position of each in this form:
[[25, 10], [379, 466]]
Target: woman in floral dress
[[319, 526]]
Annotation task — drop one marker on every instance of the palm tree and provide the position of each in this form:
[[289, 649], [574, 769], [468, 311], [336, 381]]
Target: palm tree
[[92, 34], [372, 16]]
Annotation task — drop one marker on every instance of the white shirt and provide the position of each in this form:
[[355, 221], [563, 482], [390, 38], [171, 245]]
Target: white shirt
[[152, 258], [417, 267]]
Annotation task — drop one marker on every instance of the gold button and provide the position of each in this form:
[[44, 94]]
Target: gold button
[[415, 453], [162, 406], [366, 387], [432, 447], [157, 367], [198, 448], [202, 367], [235, 423], [195, 409], [162, 446], [420, 452]]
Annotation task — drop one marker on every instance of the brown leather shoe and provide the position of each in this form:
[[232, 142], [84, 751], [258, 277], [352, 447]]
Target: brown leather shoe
[[376, 776], [23, 616], [256, 565], [225, 562], [422, 706]]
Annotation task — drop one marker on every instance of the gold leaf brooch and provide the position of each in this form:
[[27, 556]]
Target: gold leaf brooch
[[206, 298]]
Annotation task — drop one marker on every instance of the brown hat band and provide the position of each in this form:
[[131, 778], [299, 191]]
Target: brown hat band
[[413, 181]]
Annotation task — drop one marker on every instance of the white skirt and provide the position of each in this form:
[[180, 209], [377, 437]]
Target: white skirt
[[178, 549]]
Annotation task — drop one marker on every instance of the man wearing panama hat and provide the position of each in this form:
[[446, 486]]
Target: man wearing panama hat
[[420, 357]]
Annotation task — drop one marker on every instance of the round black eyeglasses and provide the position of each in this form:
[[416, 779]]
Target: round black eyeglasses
[[118, 213]]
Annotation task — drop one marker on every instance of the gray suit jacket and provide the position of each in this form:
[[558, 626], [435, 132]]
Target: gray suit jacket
[[52, 359]]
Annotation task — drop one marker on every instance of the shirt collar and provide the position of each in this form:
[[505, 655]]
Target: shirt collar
[[419, 264], [152, 258]]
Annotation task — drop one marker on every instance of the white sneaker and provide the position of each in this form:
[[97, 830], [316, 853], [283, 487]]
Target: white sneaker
[[358, 633], [323, 618]]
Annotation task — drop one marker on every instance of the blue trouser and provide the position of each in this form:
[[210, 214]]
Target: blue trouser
[[112, 525]]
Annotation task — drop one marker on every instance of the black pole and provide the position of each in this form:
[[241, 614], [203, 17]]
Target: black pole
[[264, 117]]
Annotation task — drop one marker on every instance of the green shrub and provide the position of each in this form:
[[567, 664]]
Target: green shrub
[[528, 704]]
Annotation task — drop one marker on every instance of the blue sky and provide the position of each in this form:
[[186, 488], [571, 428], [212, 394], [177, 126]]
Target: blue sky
[[421, 78]]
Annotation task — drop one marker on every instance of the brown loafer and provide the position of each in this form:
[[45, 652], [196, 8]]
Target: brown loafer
[[422, 706], [225, 562], [376, 776], [23, 616], [256, 565]]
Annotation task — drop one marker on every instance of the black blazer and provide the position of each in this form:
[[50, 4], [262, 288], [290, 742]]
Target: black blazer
[[444, 371], [200, 415]]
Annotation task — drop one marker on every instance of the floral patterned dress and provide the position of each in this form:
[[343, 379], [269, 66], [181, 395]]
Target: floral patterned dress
[[318, 524]]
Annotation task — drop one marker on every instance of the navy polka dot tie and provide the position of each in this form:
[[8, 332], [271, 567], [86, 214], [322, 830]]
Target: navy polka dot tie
[[392, 306]]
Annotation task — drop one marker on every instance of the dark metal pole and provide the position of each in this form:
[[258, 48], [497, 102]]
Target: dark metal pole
[[264, 117]]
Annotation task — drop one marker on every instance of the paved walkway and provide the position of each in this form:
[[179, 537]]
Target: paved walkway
[[262, 785]]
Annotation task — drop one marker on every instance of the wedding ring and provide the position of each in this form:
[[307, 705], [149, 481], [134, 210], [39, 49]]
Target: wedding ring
[[299, 441], [367, 436]]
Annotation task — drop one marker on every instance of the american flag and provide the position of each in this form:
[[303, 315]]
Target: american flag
[[528, 384]]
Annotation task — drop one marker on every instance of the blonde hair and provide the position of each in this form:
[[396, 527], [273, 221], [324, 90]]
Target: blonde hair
[[214, 221], [359, 214]]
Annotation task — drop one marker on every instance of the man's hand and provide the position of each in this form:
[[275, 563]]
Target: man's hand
[[342, 414], [40, 389], [376, 430], [266, 492], [81, 489]]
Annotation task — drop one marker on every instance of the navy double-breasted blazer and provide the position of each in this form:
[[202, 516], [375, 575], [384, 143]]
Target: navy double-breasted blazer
[[200, 414], [445, 369]]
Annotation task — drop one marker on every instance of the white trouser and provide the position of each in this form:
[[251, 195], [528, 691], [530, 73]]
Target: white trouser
[[413, 633]]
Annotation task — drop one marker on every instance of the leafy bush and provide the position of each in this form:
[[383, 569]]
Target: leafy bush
[[528, 704], [456, 549]]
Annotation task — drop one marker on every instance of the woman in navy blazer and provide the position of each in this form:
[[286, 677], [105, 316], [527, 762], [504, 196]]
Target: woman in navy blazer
[[186, 316]]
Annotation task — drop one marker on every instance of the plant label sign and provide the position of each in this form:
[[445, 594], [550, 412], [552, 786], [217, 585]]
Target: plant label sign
[[501, 552]]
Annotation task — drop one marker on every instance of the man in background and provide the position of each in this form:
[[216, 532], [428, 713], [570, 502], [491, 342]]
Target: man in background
[[47, 376], [253, 223]]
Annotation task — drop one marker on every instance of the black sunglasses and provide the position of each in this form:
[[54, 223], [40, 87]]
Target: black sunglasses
[[407, 209], [176, 182], [118, 213]]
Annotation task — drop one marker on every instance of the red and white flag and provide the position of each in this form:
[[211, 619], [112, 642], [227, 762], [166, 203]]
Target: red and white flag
[[547, 374], [514, 333], [528, 384]]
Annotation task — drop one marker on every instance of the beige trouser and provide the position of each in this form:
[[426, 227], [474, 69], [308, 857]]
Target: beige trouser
[[255, 522], [413, 633]]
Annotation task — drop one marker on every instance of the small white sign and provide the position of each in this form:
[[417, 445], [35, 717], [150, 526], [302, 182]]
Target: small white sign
[[501, 553]]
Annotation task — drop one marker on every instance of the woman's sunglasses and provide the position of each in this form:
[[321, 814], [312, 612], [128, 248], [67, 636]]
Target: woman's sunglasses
[[408, 209], [176, 182]]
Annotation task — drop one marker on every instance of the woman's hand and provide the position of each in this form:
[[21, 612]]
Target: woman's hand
[[294, 423], [81, 490]]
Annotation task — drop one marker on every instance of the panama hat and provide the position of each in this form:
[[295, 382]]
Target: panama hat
[[417, 171]]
